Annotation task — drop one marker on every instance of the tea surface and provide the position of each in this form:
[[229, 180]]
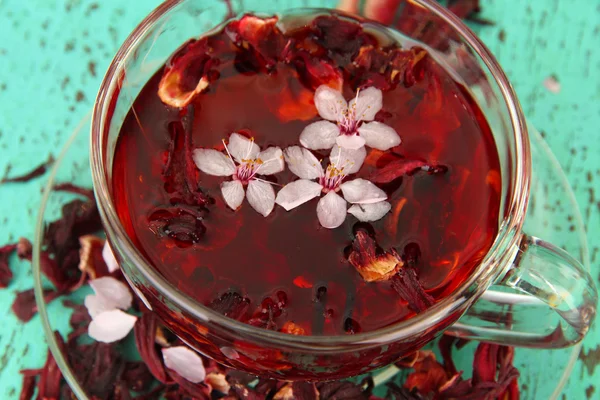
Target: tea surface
[[287, 267]]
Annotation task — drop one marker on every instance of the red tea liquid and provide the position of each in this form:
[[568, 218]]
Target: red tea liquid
[[287, 264]]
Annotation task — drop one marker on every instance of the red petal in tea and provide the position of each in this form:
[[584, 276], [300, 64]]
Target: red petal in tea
[[406, 283], [186, 74], [338, 35], [34, 173], [260, 34], [371, 263], [5, 271], [24, 306], [314, 72], [401, 167], [180, 173], [231, 304]]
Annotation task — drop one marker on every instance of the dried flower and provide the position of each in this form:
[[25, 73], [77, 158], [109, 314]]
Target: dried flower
[[249, 162], [368, 200], [373, 264], [349, 131]]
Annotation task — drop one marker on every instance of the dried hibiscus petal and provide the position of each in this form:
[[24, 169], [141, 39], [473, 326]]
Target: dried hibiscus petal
[[429, 376], [186, 74], [406, 283], [261, 35], [34, 173], [398, 168], [50, 377], [180, 172], [314, 72], [27, 387], [344, 390], [144, 333], [338, 35], [24, 306], [5, 271], [371, 263], [91, 261]]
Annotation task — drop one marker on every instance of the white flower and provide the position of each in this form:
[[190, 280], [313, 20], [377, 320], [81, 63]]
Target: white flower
[[349, 131], [185, 362], [109, 323], [249, 162], [369, 201], [109, 258]]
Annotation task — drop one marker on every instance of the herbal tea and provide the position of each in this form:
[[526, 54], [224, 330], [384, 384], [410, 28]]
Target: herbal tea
[[308, 175]]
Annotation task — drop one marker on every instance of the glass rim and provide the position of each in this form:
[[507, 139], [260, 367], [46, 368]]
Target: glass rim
[[501, 252]]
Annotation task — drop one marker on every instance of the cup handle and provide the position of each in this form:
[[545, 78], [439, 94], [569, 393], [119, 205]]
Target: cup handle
[[546, 300]]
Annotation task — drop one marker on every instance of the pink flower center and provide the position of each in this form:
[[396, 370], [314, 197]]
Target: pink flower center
[[332, 179], [349, 124], [246, 171]]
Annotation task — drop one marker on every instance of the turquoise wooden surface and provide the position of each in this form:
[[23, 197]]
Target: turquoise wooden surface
[[53, 54]]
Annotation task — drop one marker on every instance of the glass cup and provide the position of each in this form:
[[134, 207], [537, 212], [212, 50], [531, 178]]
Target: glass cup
[[542, 296]]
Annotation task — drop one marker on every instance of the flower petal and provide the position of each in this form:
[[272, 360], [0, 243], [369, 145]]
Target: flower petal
[[330, 103], [233, 194], [370, 212], [109, 258], [298, 192], [302, 163], [319, 135], [242, 148], [368, 103], [213, 162], [111, 326], [96, 305], [185, 362], [261, 197], [362, 191], [272, 161], [114, 293], [352, 142], [379, 136], [348, 159], [331, 210]]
